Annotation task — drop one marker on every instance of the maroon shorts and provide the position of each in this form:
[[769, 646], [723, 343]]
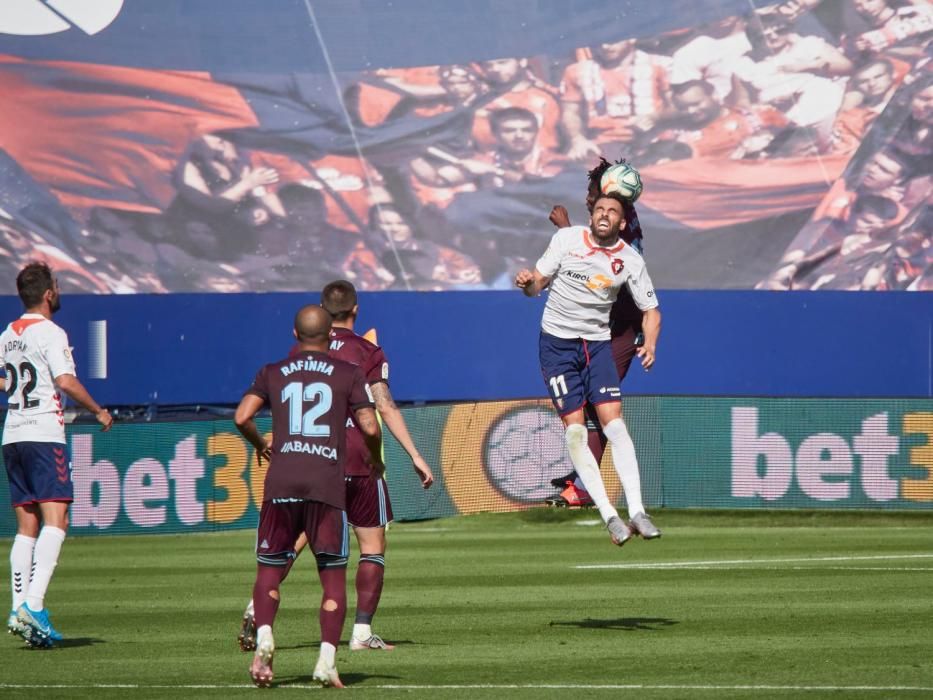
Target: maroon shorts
[[368, 502], [282, 520], [623, 345]]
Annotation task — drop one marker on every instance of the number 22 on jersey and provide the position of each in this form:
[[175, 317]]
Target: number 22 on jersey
[[23, 380]]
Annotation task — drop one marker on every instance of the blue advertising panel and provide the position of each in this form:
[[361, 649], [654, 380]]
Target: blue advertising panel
[[456, 346]]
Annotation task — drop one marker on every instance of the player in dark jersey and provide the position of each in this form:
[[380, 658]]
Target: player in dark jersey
[[368, 507], [310, 395], [626, 336]]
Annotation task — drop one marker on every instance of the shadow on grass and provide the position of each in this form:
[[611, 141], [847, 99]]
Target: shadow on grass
[[546, 515], [348, 679], [647, 624], [316, 645], [70, 643]]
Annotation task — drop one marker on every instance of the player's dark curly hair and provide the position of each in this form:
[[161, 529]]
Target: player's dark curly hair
[[594, 191]]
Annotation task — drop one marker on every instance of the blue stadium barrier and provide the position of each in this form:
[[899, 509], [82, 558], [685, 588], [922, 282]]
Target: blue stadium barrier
[[467, 346]]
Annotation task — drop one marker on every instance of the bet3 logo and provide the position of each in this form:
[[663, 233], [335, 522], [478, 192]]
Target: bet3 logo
[[832, 466], [38, 17]]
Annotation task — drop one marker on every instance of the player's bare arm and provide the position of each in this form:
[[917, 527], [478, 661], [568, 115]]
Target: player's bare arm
[[559, 216], [76, 391], [249, 406], [651, 326], [531, 282], [372, 434], [395, 422]]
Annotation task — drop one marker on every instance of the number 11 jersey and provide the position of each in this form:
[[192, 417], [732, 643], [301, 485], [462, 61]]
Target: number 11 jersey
[[309, 395]]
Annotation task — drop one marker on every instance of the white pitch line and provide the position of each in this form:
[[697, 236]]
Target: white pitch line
[[481, 686], [746, 562], [794, 568], [868, 568]]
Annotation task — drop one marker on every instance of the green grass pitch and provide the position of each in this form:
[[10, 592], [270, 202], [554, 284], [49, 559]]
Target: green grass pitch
[[523, 605]]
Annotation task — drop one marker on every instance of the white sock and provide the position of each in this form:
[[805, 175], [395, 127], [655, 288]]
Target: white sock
[[261, 634], [48, 547], [328, 653], [626, 464], [362, 632], [588, 470], [21, 567], [249, 608]]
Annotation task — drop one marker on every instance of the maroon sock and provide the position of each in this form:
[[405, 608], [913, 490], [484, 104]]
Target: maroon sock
[[334, 583], [597, 443], [369, 578], [265, 606]]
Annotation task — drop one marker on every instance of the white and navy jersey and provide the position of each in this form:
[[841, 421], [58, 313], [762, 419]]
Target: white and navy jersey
[[33, 351], [585, 281]]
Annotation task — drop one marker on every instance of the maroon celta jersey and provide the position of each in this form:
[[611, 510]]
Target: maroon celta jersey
[[310, 395], [355, 349]]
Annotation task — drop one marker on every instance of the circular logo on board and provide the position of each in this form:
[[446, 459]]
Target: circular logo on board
[[38, 17], [524, 450], [501, 455]]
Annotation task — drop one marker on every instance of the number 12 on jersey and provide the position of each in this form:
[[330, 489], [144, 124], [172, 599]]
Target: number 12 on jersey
[[301, 422]]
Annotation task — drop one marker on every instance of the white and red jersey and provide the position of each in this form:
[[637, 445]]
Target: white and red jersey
[[907, 22], [34, 351], [612, 97], [710, 59], [807, 99], [585, 281]]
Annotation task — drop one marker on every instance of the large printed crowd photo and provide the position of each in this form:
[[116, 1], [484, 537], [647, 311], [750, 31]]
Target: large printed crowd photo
[[785, 148]]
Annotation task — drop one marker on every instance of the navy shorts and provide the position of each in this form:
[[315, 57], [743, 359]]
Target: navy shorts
[[38, 472], [282, 520], [578, 372], [368, 502]]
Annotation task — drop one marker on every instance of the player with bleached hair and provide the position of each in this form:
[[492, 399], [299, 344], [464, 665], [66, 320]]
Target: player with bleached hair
[[585, 269], [368, 506]]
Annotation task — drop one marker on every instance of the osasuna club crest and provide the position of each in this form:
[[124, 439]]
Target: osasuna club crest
[[617, 266]]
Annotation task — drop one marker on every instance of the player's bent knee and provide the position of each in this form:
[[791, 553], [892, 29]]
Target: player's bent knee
[[616, 430], [575, 435], [279, 559]]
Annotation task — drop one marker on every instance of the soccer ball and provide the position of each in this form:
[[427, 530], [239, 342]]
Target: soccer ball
[[622, 179]]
